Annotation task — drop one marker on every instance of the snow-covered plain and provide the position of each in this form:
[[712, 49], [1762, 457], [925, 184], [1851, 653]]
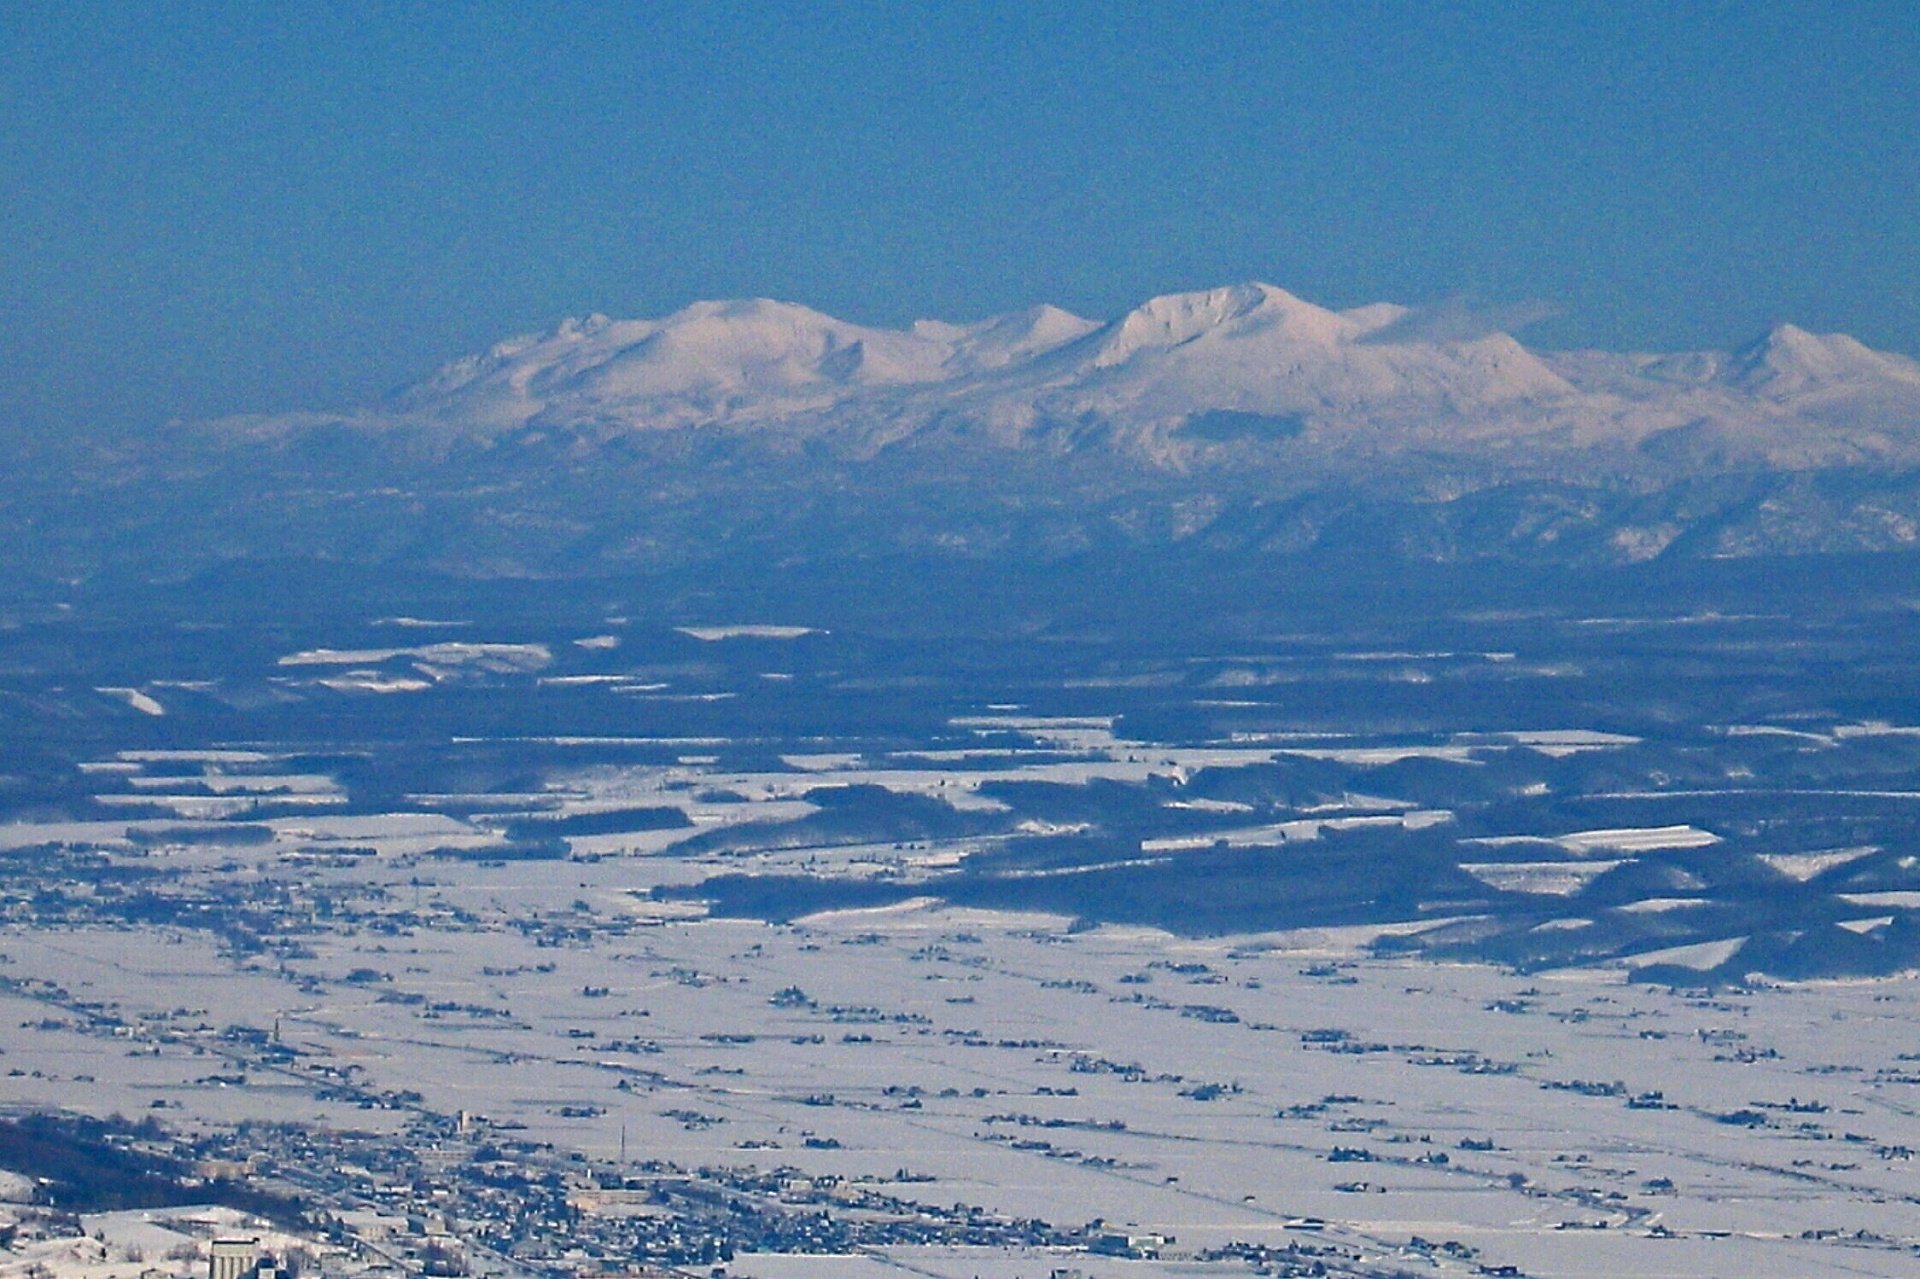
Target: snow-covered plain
[[1217, 1090], [1238, 1088], [1024, 978]]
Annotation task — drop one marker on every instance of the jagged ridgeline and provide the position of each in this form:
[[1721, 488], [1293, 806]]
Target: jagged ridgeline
[[1237, 422]]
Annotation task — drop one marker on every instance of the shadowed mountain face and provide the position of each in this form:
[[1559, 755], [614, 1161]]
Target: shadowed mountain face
[[1235, 421]]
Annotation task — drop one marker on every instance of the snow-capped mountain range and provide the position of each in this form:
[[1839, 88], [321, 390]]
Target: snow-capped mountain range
[[1176, 380], [1223, 424]]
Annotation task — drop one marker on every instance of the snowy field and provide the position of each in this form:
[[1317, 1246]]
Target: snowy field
[[1235, 1089], [1436, 954]]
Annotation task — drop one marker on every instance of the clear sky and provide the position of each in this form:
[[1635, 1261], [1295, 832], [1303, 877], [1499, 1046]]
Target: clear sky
[[210, 208]]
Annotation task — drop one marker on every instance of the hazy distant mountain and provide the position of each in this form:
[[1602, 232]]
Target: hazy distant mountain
[[1170, 383], [1237, 420]]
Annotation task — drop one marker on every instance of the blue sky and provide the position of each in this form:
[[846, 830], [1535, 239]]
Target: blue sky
[[216, 208]]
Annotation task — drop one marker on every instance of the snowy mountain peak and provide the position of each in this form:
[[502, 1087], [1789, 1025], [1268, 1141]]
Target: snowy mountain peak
[[1178, 318], [730, 348], [1789, 360]]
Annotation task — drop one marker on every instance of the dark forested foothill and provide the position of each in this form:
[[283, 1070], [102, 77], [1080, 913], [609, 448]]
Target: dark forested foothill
[[94, 1165]]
